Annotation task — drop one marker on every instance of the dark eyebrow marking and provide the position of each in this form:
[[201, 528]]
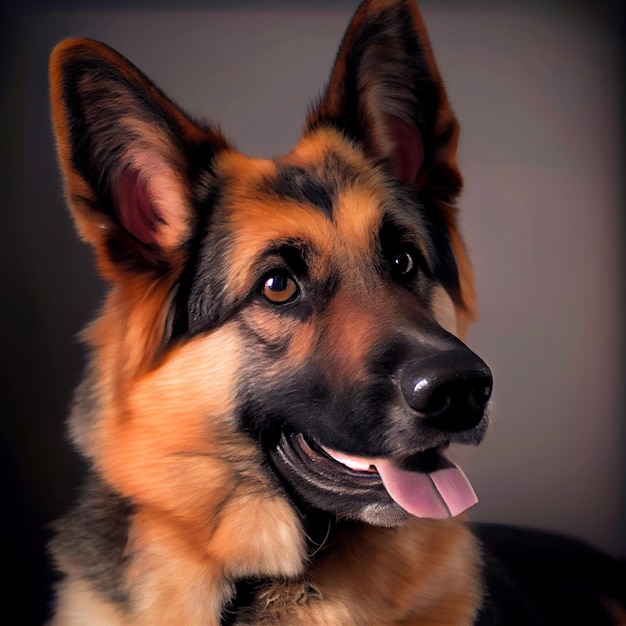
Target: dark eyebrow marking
[[302, 185], [295, 253]]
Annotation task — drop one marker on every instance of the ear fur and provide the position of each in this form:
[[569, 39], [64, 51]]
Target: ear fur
[[385, 92], [130, 158]]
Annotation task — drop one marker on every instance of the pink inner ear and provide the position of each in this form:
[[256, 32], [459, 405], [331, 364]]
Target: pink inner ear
[[134, 207], [408, 153]]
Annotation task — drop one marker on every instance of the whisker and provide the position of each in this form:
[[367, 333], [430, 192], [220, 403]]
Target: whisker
[[323, 542]]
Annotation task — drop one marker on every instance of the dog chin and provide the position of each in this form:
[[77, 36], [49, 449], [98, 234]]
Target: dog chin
[[386, 515]]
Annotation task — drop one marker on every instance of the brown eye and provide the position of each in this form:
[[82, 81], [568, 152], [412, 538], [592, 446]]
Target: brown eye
[[280, 289], [403, 263]]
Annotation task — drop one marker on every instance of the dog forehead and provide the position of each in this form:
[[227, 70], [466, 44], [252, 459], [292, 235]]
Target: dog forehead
[[324, 194]]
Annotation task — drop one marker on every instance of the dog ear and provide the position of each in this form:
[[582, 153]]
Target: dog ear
[[385, 92], [128, 155]]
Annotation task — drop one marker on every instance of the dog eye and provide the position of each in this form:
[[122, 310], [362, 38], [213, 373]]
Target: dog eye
[[403, 263], [280, 288]]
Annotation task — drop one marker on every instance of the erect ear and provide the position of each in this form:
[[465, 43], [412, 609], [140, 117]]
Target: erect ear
[[132, 160], [385, 92]]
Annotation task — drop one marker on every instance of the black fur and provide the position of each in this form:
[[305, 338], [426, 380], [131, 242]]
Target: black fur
[[190, 313], [300, 185], [532, 578]]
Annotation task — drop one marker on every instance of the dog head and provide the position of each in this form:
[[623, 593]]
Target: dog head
[[285, 326]]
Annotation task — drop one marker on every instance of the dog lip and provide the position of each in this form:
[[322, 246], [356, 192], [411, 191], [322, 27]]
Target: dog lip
[[425, 461], [298, 453], [319, 454]]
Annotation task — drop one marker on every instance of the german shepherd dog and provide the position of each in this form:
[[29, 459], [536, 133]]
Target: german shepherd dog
[[279, 367]]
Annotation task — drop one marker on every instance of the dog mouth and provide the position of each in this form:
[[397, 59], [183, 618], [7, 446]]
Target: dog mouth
[[382, 490]]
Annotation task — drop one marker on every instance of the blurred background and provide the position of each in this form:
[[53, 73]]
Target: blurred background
[[538, 88]]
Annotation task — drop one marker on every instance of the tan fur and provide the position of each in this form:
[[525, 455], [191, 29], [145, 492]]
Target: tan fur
[[79, 604], [427, 573], [467, 313], [171, 445], [256, 219], [444, 311], [419, 563], [427, 576], [164, 430], [200, 516]]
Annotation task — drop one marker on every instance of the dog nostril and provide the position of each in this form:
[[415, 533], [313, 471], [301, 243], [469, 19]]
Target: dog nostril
[[480, 395], [449, 389]]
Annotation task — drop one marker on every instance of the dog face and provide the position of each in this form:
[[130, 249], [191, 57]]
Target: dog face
[[340, 308], [280, 334]]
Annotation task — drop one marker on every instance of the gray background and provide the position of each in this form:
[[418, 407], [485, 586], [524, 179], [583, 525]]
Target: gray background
[[537, 88]]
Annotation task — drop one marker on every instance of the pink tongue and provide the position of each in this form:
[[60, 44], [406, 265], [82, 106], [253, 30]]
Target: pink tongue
[[443, 493]]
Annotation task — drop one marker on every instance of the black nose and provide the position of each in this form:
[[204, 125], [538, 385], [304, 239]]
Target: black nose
[[449, 389]]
